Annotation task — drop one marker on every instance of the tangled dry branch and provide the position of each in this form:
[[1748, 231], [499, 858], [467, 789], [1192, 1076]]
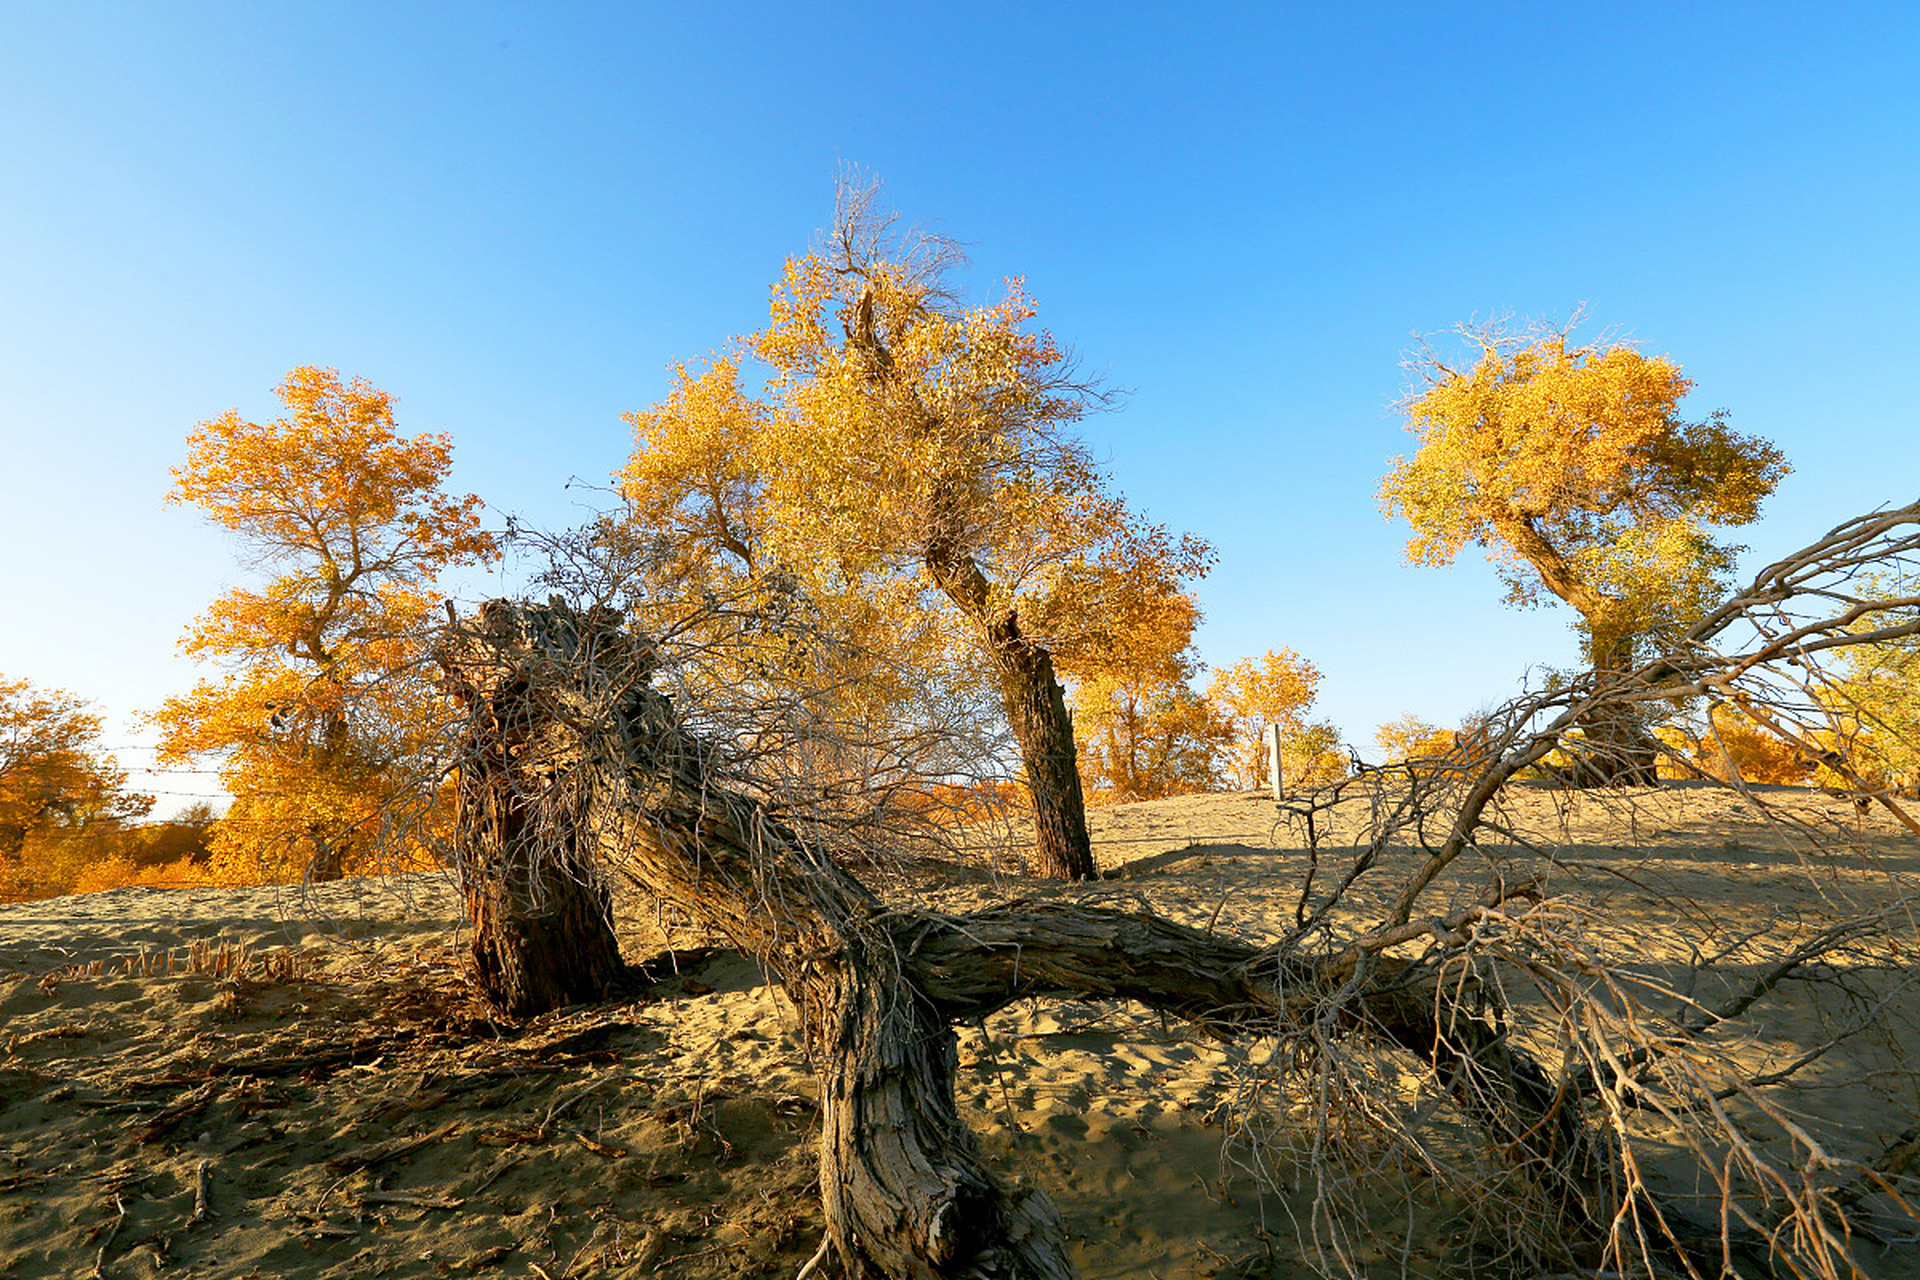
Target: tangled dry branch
[[1448, 991]]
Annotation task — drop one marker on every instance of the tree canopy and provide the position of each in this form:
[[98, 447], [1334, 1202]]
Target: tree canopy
[[1140, 728], [912, 461], [324, 709], [1571, 464], [53, 771]]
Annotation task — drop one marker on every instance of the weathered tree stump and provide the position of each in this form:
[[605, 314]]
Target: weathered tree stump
[[536, 897]]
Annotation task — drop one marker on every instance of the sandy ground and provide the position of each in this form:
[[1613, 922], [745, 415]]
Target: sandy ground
[[202, 1083]]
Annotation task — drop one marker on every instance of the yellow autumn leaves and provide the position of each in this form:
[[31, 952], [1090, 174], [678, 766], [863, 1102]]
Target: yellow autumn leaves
[[1571, 465], [324, 717], [900, 470]]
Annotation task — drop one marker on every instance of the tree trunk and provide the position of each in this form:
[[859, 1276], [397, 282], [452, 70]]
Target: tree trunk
[[1616, 750], [329, 861], [1036, 708], [539, 908], [906, 1192]]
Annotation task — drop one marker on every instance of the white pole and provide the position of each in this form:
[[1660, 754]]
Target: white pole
[[1272, 736]]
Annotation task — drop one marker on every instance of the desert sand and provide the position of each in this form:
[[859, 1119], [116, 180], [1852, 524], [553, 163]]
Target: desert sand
[[279, 1082]]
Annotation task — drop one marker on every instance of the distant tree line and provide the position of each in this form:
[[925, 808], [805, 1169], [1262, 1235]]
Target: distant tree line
[[68, 819]]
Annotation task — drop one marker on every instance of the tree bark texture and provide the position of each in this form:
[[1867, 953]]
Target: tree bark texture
[[536, 900], [1036, 707], [1616, 751], [907, 1193]]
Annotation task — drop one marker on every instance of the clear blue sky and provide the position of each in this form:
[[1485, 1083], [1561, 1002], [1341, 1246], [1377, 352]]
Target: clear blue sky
[[515, 221]]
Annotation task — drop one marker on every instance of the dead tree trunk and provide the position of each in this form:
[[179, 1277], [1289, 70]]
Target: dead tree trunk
[[906, 1191], [535, 897]]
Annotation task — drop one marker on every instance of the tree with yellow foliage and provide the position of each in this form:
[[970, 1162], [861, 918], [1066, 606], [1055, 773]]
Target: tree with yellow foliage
[[863, 693], [59, 790], [1277, 688], [1141, 731], [912, 449], [1872, 703], [1732, 748], [1141, 742], [326, 710], [1570, 463], [1411, 738]]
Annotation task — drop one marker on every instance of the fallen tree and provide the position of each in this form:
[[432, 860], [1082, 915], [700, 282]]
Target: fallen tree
[[1546, 1048]]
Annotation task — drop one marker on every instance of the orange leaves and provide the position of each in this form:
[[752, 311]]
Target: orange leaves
[[348, 513], [905, 417], [695, 474], [1536, 431], [53, 772], [1143, 738], [1572, 465], [898, 422], [1122, 635], [1872, 702], [911, 474], [1277, 688], [63, 801], [1734, 747], [326, 710], [1145, 732], [331, 483], [1410, 739]]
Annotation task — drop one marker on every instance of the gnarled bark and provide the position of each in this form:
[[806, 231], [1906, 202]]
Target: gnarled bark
[[907, 1193], [1036, 709], [535, 898], [1615, 750]]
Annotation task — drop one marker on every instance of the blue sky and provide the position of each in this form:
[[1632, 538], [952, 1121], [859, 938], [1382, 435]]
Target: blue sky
[[515, 221]]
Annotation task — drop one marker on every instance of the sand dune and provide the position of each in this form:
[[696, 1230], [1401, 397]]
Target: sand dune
[[279, 1083]]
